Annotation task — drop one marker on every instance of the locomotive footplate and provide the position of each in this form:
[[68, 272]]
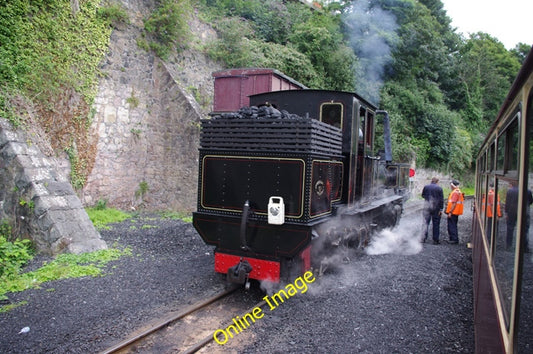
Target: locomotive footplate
[[240, 268]]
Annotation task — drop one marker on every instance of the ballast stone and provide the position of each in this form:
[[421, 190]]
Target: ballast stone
[[38, 202]]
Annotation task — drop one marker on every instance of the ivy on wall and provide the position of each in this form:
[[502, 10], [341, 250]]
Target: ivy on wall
[[49, 61]]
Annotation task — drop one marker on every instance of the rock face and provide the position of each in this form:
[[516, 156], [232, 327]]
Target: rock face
[[38, 202], [147, 122]]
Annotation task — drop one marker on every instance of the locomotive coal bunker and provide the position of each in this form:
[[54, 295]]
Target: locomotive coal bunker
[[290, 173]]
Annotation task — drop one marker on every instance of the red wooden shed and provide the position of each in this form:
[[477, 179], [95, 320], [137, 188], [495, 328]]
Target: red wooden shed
[[233, 86]]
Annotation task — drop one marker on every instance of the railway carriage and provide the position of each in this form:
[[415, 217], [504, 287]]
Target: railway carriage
[[292, 172], [501, 240]]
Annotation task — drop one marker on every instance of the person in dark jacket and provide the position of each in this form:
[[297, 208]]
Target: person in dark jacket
[[434, 202], [511, 209]]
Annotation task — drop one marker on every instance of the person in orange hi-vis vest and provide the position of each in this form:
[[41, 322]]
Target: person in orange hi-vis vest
[[453, 210], [488, 204]]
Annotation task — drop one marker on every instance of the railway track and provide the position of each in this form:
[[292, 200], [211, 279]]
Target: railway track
[[179, 331]]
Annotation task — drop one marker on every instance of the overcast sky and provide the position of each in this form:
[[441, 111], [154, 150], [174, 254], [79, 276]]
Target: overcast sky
[[507, 20]]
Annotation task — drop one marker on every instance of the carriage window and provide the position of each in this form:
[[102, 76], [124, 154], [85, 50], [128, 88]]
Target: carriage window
[[491, 209], [490, 162], [505, 244], [362, 127], [482, 201], [480, 165], [512, 147], [331, 113], [500, 154]]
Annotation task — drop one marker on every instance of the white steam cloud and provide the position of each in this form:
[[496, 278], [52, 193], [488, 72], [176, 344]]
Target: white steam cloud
[[403, 239], [373, 33]]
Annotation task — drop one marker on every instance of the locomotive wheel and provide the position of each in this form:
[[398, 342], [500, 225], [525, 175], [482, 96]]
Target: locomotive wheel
[[291, 268], [395, 215]]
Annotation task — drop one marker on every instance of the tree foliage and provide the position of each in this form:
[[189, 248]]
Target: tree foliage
[[485, 71], [520, 52], [441, 90], [320, 40], [50, 54], [315, 40], [54, 50]]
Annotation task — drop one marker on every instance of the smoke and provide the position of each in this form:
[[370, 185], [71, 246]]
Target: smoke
[[269, 287], [403, 239], [373, 34]]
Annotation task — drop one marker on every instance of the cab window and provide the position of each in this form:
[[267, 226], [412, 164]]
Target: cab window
[[331, 113]]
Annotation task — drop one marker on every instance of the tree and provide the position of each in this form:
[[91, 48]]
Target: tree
[[485, 71], [421, 52], [320, 39], [461, 154], [521, 51], [412, 93]]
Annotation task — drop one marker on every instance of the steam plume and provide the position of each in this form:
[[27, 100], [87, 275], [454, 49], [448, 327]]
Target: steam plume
[[372, 35]]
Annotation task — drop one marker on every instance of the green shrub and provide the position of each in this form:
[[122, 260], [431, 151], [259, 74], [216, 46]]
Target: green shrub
[[101, 204], [234, 48], [290, 62], [142, 190], [5, 230], [13, 255], [167, 26]]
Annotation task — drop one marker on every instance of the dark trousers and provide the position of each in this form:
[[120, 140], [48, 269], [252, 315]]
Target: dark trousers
[[452, 228], [511, 224], [489, 228], [432, 216]]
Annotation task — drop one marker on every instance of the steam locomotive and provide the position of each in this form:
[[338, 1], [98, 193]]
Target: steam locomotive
[[285, 171]]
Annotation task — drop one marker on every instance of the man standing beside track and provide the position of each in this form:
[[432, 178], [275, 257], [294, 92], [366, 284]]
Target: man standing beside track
[[432, 194], [454, 209]]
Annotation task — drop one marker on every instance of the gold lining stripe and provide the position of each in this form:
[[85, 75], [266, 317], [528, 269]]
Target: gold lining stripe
[[254, 158]]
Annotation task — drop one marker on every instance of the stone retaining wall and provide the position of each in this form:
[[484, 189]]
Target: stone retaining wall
[[147, 122], [38, 202]]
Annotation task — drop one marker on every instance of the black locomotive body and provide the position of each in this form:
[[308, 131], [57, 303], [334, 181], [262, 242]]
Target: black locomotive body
[[290, 174]]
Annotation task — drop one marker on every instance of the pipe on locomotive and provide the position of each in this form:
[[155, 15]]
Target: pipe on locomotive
[[244, 223], [386, 135]]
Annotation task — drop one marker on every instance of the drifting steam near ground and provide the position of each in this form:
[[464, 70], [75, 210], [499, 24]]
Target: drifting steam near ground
[[403, 239]]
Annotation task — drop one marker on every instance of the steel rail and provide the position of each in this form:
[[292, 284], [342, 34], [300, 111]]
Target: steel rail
[[210, 338], [174, 316]]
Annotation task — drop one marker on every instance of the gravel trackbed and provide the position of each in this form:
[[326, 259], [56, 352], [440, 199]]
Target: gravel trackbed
[[399, 296]]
